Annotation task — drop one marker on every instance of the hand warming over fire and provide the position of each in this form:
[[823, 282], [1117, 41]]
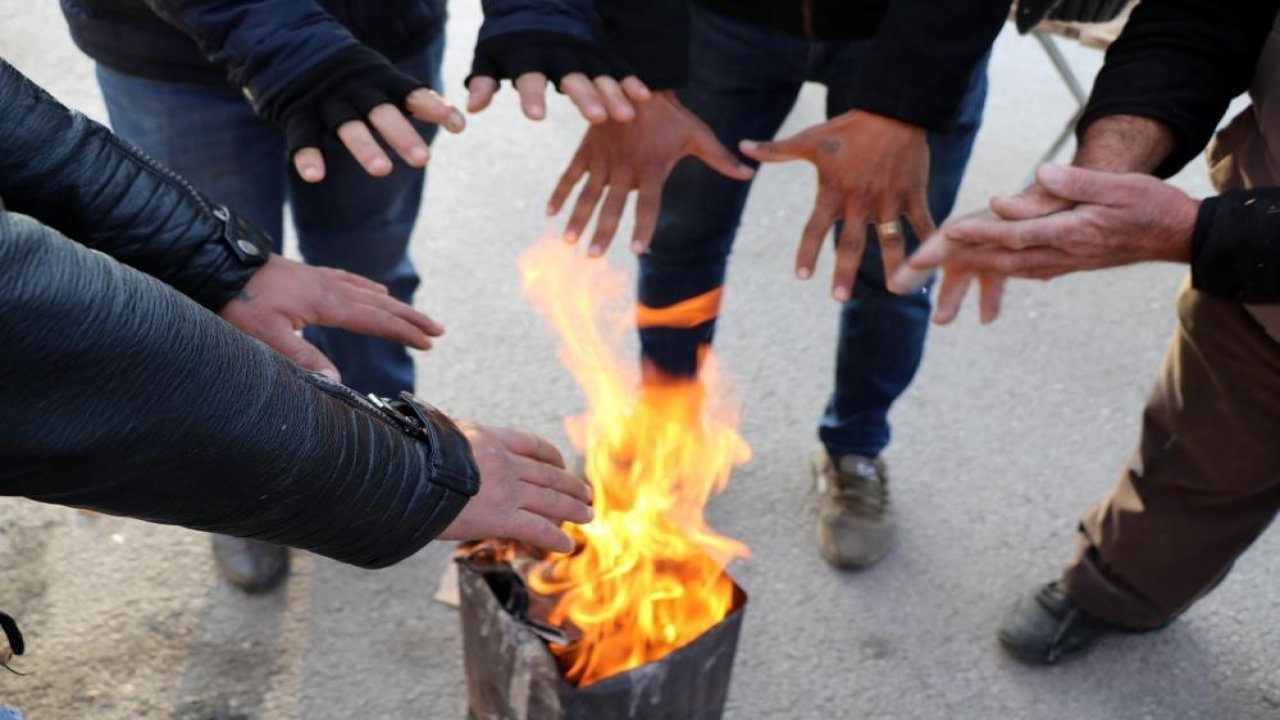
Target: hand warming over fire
[[1110, 219], [872, 170], [284, 297], [639, 155], [525, 492]]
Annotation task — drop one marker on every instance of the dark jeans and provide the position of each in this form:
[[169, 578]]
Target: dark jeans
[[351, 220], [745, 80]]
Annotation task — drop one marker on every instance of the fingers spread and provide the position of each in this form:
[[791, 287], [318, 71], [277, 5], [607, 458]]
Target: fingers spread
[[717, 156], [588, 198], [849, 247], [615, 204], [820, 221], [990, 297], [400, 134], [480, 92], [585, 96], [951, 291], [360, 143], [572, 174], [648, 205], [532, 87], [428, 105], [309, 162]]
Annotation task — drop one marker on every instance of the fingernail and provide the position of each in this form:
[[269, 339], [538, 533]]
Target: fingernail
[[551, 210], [1052, 173], [456, 122], [331, 374], [379, 165], [637, 248], [803, 273], [419, 154], [749, 145], [311, 173], [571, 237], [594, 251], [591, 514], [840, 293]]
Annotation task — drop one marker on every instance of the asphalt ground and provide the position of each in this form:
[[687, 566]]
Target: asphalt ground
[[1009, 432]]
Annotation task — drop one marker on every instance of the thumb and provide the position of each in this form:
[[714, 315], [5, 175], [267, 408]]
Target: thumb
[[707, 148], [1077, 184], [793, 148], [303, 354]]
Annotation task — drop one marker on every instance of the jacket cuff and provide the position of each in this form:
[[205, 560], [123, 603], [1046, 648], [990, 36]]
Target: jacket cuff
[[1235, 250]]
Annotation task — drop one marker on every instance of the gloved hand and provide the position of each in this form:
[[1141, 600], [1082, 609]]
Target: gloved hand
[[351, 95], [582, 70]]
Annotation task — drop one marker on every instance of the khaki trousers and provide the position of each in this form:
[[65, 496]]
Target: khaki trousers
[[1204, 481]]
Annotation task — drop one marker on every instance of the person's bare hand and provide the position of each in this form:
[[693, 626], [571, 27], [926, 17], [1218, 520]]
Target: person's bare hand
[[525, 493], [389, 123], [871, 170], [598, 100], [617, 158], [1113, 219], [284, 297]]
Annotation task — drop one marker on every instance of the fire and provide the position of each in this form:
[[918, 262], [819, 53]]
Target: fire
[[648, 576]]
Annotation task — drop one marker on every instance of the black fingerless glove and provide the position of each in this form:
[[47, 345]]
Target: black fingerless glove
[[345, 87], [1235, 251], [1031, 12], [510, 55]]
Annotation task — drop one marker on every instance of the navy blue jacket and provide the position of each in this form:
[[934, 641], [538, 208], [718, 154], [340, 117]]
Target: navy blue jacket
[[259, 46]]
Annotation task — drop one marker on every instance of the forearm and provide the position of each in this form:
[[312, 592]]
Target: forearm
[[1180, 62], [74, 175], [1125, 143], [119, 395]]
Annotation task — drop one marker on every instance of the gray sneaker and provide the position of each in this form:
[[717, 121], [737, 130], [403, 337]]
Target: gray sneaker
[[855, 523]]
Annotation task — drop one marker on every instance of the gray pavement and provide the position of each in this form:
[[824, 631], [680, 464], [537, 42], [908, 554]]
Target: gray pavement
[[1009, 432]]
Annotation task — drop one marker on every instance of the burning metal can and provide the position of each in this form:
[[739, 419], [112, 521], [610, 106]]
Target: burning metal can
[[512, 675]]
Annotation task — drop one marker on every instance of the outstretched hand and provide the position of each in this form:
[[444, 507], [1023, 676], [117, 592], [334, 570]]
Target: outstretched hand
[[639, 155], [525, 493], [1088, 220], [284, 297], [872, 170]]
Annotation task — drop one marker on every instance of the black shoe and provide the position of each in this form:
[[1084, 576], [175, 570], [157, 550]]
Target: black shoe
[[1046, 627], [251, 565], [855, 522]]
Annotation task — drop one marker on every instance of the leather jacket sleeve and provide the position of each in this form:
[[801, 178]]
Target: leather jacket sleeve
[[75, 176], [120, 395]]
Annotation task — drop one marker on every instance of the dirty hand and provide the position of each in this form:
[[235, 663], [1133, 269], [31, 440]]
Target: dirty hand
[[579, 69], [872, 170], [524, 494], [357, 95], [284, 297], [1109, 219], [639, 155]]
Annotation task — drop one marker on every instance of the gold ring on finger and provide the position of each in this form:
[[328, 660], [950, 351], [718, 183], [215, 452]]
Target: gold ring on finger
[[888, 229]]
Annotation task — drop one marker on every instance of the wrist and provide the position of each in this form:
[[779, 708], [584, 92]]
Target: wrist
[[1123, 144]]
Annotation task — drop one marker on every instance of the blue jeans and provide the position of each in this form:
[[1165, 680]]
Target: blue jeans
[[744, 82], [350, 220]]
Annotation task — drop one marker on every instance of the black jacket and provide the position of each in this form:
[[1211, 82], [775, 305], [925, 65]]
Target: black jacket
[[119, 394], [918, 70], [258, 45]]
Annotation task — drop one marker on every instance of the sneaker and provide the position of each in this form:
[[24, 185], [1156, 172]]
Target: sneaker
[[1046, 627], [251, 565], [855, 523]]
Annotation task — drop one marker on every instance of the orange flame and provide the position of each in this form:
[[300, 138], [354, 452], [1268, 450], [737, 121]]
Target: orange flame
[[648, 576]]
